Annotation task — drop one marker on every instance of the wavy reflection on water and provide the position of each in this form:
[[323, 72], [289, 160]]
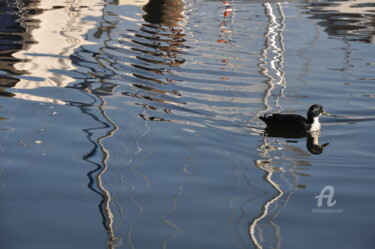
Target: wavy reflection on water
[[151, 61], [272, 56], [262, 230], [352, 19], [155, 50], [13, 36], [168, 87], [99, 157]]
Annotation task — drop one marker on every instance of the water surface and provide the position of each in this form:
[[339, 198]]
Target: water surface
[[134, 124]]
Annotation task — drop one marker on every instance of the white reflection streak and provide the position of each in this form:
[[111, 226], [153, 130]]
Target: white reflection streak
[[267, 205], [273, 69], [144, 178], [106, 194], [273, 55], [109, 130], [30, 97]]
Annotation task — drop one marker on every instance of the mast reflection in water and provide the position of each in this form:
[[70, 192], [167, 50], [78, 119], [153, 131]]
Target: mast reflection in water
[[157, 45]]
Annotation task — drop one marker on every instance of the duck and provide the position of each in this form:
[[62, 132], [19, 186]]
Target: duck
[[293, 122]]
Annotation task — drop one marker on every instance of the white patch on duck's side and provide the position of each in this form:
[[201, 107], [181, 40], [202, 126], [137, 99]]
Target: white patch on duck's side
[[315, 126]]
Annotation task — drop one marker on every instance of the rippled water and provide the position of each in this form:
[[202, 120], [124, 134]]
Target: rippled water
[[132, 124]]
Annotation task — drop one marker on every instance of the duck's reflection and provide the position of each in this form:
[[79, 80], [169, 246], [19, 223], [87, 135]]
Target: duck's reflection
[[313, 145], [312, 139]]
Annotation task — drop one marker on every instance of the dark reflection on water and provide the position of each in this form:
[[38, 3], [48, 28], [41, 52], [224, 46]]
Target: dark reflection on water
[[353, 20], [13, 38], [164, 12], [161, 41], [312, 139]]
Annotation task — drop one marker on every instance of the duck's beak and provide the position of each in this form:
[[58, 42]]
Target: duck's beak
[[326, 114]]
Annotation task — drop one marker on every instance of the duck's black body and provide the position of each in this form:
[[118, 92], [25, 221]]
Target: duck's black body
[[286, 122], [293, 122]]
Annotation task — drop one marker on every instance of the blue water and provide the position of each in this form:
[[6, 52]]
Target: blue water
[[132, 124]]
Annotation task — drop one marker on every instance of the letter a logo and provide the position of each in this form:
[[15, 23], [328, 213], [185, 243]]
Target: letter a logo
[[324, 194]]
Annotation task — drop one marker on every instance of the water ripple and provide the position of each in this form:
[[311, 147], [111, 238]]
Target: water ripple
[[160, 73]]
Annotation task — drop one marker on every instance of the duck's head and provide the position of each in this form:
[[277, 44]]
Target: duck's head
[[315, 111]]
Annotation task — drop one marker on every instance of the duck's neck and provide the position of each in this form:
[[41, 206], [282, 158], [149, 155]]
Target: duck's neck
[[314, 122]]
